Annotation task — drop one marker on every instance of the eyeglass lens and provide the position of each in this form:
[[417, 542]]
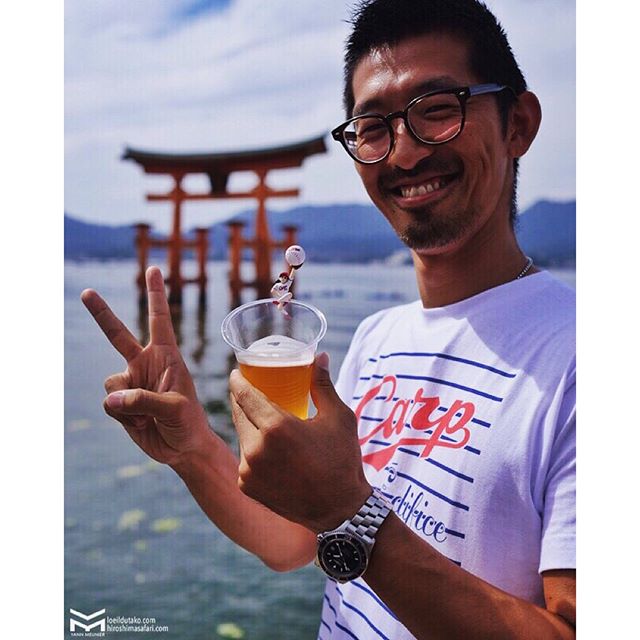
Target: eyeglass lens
[[433, 119]]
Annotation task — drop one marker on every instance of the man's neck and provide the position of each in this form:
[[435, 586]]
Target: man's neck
[[453, 276]]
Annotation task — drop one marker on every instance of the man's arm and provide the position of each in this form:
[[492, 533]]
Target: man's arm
[[436, 599], [430, 595], [155, 401], [211, 475]]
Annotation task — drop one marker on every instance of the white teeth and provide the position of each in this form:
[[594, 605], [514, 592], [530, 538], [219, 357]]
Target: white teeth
[[421, 189]]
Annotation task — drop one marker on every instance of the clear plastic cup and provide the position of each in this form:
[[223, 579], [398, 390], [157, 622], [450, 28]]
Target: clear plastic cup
[[275, 348]]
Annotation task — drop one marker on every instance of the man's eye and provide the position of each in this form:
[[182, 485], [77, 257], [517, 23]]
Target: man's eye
[[372, 130], [439, 111]]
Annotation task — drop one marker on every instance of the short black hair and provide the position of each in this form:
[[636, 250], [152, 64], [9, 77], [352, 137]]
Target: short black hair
[[378, 23], [387, 22]]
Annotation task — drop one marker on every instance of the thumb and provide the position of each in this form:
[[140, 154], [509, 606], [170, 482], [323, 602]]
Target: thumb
[[164, 406], [323, 393]]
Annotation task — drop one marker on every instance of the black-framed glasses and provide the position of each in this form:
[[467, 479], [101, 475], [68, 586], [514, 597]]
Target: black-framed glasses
[[432, 118]]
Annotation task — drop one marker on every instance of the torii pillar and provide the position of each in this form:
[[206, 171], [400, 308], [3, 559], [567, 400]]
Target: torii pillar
[[218, 167]]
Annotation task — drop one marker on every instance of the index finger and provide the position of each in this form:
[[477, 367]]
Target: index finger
[[112, 327], [248, 434], [160, 327], [258, 409]]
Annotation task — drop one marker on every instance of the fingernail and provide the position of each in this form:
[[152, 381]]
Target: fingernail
[[116, 399], [322, 360]]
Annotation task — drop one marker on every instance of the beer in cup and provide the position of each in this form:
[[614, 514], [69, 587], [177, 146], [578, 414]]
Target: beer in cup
[[275, 349]]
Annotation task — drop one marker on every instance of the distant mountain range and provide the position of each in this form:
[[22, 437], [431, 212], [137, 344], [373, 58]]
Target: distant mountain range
[[339, 233], [547, 232]]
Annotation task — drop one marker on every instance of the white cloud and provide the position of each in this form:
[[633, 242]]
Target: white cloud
[[543, 39], [258, 74]]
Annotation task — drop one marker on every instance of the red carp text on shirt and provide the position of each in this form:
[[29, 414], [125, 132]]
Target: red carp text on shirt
[[418, 414]]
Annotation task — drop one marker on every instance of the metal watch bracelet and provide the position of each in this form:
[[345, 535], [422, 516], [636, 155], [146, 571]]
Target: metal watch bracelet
[[367, 521]]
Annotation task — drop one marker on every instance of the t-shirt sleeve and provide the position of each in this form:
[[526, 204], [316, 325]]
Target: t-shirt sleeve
[[558, 550]]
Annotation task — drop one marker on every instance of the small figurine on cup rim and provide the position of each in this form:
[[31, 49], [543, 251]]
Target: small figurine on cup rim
[[294, 257]]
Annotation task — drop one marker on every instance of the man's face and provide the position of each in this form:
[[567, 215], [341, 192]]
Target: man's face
[[435, 197]]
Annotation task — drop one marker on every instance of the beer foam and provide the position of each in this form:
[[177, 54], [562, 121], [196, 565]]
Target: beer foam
[[277, 351]]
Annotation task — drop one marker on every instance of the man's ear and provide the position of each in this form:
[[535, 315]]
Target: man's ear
[[524, 122]]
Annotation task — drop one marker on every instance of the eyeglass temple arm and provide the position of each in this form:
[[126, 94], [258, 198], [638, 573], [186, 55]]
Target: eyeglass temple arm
[[492, 87]]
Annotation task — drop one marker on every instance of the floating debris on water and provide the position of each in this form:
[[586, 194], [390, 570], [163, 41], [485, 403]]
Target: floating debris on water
[[164, 525], [95, 555], [135, 470], [139, 578], [130, 471], [140, 545], [230, 630], [78, 425], [131, 519]]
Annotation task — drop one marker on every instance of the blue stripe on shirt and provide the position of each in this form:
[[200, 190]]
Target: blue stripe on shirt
[[326, 625], [326, 597], [447, 383], [482, 423], [440, 465], [355, 583], [362, 615], [342, 628], [433, 492], [445, 356]]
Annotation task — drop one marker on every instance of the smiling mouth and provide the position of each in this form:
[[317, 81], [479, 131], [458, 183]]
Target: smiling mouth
[[423, 188]]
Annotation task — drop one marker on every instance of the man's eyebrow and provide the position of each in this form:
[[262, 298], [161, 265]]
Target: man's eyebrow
[[374, 104]]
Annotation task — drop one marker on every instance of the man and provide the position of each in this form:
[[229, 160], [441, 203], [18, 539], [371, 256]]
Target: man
[[441, 475]]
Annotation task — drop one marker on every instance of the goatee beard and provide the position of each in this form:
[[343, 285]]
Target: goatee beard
[[428, 231]]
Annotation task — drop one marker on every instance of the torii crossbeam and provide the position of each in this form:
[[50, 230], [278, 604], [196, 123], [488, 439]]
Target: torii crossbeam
[[218, 167]]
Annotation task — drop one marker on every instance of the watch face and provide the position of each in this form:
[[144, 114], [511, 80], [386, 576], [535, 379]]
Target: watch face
[[342, 557]]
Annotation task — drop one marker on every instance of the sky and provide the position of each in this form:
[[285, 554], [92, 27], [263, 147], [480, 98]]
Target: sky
[[226, 75]]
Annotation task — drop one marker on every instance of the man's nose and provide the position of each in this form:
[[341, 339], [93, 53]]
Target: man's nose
[[407, 150]]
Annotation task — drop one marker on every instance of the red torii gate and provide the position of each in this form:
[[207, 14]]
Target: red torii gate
[[218, 167]]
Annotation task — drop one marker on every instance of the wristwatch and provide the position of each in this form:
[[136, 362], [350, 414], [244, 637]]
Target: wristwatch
[[343, 553]]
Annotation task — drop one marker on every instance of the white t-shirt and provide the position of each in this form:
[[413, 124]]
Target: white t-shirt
[[466, 419]]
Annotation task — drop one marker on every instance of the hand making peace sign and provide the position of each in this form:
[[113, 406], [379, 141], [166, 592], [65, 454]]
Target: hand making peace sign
[[154, 398]]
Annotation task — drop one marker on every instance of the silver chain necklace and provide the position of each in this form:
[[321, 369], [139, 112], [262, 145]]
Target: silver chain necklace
[[526, 268]]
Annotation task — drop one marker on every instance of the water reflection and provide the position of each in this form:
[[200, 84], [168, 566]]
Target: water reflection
[[177, 318], [201, 333], [176, 321], [231, 362], [143, 321]]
